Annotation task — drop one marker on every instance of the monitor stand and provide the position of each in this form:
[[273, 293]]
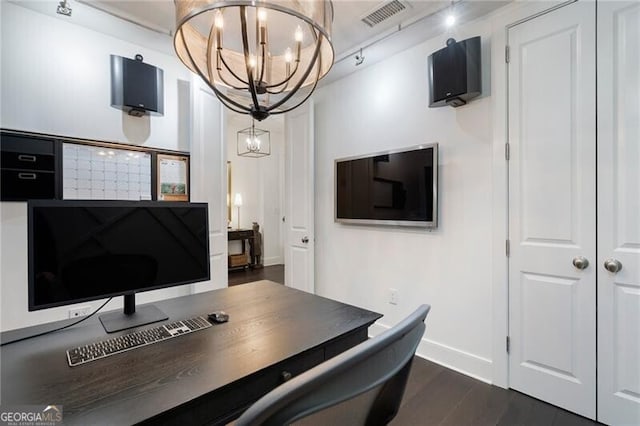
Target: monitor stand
[[118, 321]]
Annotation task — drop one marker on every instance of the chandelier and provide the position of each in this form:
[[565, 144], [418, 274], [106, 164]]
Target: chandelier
[[256, 55], [252, 142]]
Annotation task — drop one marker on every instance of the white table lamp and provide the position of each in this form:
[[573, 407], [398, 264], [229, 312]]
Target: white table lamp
[[237, 201]]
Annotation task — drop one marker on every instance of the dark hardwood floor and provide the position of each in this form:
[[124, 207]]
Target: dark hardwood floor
[[274, 273], [436, 395]]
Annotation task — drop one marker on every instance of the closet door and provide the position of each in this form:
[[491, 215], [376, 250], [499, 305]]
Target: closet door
[[299, 189], [619, 212], [552, 213]]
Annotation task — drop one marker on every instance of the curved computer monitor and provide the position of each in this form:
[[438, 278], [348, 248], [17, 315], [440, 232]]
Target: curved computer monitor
[[86, 250]]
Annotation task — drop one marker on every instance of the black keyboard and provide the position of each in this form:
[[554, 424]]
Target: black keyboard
[[137, 339]]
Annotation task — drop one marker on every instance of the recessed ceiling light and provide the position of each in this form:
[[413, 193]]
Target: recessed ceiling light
[[451, 20]]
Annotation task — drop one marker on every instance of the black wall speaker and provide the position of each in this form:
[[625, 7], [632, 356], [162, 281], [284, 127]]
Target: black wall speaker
[[136, 87], [454, 73]]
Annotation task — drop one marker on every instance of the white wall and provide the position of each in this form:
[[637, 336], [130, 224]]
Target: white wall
[[13, 277], [459, 268], [385, 107], [259, 180], [56, 79]]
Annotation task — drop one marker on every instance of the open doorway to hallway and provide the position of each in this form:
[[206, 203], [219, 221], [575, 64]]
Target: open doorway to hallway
[[255, 197]]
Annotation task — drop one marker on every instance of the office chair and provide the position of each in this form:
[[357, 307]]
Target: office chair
[[380, 365]]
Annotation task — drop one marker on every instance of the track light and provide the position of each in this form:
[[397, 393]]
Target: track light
[[359, 58], [63, 8]]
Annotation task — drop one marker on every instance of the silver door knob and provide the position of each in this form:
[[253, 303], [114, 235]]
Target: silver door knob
[[305, 240], [580, 262], [612, 265]]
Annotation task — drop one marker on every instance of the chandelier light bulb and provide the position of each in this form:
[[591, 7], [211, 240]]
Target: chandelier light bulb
[[288, 55], [262, 15], [218, 21], [253, 144], [298, 34]]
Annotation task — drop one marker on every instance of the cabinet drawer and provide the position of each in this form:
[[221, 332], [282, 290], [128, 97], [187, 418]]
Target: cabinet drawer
[[241, 394], [343, 343], [27, 161], [27, 145], [20, 185], [270, 378]]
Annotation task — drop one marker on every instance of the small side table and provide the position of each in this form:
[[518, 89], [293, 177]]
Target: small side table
[[245, 236]]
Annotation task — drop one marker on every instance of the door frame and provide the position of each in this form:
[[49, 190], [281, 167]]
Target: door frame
[[500, 181]]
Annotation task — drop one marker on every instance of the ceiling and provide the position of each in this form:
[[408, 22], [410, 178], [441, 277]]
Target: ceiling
[[348, 29], [419, 21]]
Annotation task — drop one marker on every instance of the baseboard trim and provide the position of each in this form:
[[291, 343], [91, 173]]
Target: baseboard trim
[[270, 261], [454, 359]]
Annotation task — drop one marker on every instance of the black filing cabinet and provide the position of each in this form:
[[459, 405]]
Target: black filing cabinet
[[29, 168]]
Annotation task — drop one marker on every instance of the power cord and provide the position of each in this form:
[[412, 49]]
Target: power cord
[[61, 328]]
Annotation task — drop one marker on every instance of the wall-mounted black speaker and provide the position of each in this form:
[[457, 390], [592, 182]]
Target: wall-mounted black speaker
[[454, 73], [136, 87]]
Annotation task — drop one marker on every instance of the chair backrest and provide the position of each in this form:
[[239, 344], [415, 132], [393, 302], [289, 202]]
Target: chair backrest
[[382, 362]]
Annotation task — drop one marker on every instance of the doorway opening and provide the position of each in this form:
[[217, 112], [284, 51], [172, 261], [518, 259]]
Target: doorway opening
[[255, 203]]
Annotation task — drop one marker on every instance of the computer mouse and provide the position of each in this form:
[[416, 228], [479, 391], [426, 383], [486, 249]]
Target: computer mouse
[[219, 316]]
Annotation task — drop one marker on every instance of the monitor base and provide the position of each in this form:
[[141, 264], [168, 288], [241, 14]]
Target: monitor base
[[118, 321]]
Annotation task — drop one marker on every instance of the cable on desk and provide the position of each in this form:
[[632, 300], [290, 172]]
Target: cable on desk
[[58, 329]]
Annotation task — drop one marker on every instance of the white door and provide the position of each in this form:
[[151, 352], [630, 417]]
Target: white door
[[552, 217], [299, 198], [619, 212]]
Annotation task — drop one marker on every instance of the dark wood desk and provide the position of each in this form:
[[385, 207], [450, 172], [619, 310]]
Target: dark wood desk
[[209, 376]]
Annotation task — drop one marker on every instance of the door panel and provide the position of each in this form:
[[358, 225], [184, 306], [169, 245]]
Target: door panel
[[618, 212], [210, 178], [299, 172], [547, 140], [552, 207], [551, 327], [298, 266], [299, 183]]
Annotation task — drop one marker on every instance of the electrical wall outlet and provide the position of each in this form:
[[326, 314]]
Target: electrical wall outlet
[[79, 312], [393, 296]]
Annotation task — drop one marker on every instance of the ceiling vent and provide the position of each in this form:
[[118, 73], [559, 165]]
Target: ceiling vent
[[384, 11]]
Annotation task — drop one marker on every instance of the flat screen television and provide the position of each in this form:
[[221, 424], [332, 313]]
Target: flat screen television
[[86, 250], [398, 187]]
